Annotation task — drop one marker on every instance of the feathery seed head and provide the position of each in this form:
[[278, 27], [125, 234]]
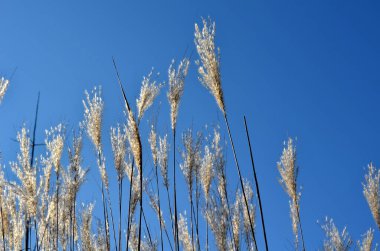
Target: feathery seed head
[[93, 115], [183, 233], [366, 243], [176, 87], [371, 192], [133, 137], [54, 143], [191, 157], [153, 145], [163, 158], [3, 87], [119, 149], [335, 241], [149, 91], [288, 170], [209, 65]]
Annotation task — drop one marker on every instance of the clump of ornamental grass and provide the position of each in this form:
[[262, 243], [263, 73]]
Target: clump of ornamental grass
[[176, 87], [371, 192], [4, 83], [210, 77], [288, 170]]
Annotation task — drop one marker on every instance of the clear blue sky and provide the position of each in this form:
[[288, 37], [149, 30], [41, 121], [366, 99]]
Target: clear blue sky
[[305, 69]]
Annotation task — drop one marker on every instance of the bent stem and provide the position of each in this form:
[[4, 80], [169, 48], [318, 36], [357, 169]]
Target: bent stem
[[257, 184]]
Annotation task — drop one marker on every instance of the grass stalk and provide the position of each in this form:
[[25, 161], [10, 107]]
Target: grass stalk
[[120, 207], [240, 178], [257, 184], [159, 208], [175, 195], [2, 221]]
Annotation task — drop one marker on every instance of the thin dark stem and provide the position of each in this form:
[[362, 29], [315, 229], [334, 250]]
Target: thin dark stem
[[299, 222], [2, 222], [175, 196], [159, 208], [170, 210], [206, 226], [74, 223], [35, 226], [112, 218], [147, 228], [191, 220], [120, 207], [57, 184], [141, 207], [105, 215], [241, 180], [129, 206], [105, 211], [27, 225], [197, 205], [257, 184]]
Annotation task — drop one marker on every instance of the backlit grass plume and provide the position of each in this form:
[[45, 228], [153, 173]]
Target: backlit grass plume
[[176, 87], [335, 241], [93, 115], [288, 170], [149, 91], [367, 241], [4, 83], [209, 65], [371, 192]]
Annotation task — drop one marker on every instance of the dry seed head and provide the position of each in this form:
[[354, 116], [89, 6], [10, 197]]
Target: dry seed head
[[288, 170], [191, 157], [103, 172], [93, 115], [119, 150], [183, 233], [54, 143], [366, 243], [335, 241], [163, 158], [176, 87], [207, 172], [133, 137], [209, 65], [371, 191], [149, 91], [236, 220], [86, 233], [4, 83], [217, 218], [27, 188], [153, 145], [252, 211]]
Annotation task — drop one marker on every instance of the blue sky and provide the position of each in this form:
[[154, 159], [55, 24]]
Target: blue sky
[[303, 69]]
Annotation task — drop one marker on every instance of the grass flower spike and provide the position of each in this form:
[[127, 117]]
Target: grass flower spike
[[209, 65], [176, 87], [148, 93], [371, 192], [3, 87]]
